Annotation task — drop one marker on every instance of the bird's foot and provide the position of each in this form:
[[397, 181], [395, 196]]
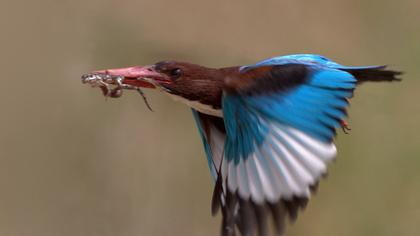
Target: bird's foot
[[345, 126]]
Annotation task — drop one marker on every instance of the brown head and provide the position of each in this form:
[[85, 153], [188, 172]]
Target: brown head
[[193, 84]]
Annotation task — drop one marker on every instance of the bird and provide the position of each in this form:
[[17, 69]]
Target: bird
[[268, 128]]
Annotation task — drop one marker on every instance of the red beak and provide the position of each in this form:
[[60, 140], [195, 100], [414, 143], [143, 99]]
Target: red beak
[[139, 76]]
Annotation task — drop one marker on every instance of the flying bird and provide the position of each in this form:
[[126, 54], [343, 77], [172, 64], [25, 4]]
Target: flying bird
[[268, 129]]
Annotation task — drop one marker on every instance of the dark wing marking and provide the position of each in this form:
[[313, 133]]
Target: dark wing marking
[[267, 79]]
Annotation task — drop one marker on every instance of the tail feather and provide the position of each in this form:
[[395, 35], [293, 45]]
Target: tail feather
[[375, 74]]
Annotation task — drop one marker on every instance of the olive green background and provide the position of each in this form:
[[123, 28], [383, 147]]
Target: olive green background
[[75, 164]]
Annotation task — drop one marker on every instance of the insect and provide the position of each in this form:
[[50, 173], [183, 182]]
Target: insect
[[111, 85]]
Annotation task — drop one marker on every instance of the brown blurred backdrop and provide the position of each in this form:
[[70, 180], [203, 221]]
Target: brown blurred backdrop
[[73, 164]]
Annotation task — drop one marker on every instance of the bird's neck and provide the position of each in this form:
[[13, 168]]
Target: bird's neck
[[204, 92]]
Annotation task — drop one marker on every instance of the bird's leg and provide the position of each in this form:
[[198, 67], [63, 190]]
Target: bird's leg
[[345, 126]]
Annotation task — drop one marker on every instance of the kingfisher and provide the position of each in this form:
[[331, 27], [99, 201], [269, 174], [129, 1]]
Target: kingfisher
[[268, 129]]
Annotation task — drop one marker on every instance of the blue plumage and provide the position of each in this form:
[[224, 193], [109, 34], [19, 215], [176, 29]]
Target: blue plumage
[[316, 107], [306, 59], [243, 127], [267, 128], [280, 122], [206, 144], [279, 119]]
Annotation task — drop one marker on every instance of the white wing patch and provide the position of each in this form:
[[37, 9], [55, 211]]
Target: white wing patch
[[216, 142], [286, 164]]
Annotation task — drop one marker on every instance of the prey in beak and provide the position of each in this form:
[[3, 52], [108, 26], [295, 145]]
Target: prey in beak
[[112, 82]]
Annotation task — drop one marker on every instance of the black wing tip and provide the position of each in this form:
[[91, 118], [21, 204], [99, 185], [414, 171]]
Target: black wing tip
[[216, 199], [251, 218], [376, 74], [393, 75]]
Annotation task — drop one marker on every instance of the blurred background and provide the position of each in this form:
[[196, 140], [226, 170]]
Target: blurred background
[[73, 163]]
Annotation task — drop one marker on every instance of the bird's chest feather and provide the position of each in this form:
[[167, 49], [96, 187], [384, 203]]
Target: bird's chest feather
[[197, 105]]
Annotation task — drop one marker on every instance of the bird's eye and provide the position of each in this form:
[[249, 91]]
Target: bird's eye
[[175, 73]]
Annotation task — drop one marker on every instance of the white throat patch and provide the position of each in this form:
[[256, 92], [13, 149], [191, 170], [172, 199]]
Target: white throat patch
[[203, 108]]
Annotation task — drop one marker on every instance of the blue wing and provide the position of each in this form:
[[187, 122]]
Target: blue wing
[[213, 135], [307, 59], [279, 118], [279, 142]]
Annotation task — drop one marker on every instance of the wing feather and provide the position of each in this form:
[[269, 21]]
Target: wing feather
[[279, 121], [279, 138]]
